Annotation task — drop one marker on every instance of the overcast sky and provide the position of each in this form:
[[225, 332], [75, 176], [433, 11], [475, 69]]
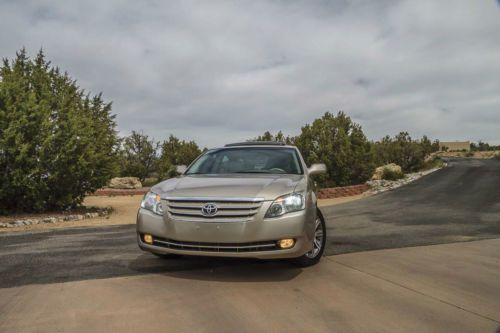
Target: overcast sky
[[221, 71]]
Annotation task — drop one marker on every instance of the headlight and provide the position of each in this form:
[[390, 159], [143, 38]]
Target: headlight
[[286, 204], [152, 202]]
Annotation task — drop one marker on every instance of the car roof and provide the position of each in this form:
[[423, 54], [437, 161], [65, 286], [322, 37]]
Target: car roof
[[256, 143]]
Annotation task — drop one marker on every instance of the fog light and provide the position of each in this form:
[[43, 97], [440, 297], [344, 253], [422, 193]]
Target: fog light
[[148, 239], [286, 243]]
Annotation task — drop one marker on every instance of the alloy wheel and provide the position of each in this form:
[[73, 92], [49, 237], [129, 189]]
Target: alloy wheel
[[318, 239]]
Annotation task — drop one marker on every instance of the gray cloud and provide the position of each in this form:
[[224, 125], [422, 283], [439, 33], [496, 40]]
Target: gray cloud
[[229, 70]]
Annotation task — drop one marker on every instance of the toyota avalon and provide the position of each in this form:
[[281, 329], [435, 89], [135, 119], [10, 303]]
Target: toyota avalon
[[253, 199]]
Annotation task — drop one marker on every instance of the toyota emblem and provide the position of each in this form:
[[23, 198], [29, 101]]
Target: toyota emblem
[[209, 209]]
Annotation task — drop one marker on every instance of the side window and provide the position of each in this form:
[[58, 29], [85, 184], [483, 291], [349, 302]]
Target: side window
[[223, 164]]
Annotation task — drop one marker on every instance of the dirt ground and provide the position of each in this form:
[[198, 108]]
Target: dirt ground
[[125, 210]]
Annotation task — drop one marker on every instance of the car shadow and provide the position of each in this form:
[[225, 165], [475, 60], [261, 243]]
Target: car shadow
[[216, 269]]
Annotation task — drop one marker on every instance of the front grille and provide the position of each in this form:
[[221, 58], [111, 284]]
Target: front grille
[[216, 247], [228, 210]]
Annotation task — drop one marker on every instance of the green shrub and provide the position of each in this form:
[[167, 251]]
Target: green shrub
[[435, 162], [402, 150], [341, 144], [469, 154], [389, 174], [57, 142]]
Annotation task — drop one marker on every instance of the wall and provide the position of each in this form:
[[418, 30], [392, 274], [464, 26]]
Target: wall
[[345, 191]]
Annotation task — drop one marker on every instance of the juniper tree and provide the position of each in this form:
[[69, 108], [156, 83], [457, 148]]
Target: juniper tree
[[176, 152], [139, 155], [339, 143], [57, 142]]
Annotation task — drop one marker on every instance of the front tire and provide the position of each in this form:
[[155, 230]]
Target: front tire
[[314, 256]]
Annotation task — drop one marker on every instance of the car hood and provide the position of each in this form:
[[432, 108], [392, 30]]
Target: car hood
[[268, 187]]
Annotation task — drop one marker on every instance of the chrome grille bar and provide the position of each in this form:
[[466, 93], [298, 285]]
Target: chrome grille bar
[[228, 209]]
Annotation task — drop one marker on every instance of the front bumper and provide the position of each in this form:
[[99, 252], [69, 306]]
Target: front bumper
[[250, 239]]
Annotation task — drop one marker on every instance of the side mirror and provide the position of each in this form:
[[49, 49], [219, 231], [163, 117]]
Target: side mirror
[[316, 169], [181, 169]]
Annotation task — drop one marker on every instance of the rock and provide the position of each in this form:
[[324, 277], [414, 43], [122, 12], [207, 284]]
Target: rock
[[91, 215], [76, 217], [49, 220], [125, 183], [103, 211], [382, 185], [380, 170]]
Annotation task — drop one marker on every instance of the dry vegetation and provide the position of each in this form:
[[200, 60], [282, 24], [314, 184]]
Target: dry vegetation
[[470, 154]]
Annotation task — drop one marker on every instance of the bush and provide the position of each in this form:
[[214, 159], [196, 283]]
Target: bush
[[341, 144], [435, 162], [402, 150], [150, 181], [389, 174], [57, 143]]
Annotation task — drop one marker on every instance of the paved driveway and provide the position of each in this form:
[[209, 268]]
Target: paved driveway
[[441, 288]]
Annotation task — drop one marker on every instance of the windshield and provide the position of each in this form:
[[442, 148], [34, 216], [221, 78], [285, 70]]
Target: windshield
[[248, 160]]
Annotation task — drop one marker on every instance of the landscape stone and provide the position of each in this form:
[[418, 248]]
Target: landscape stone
[[382, 185], [377, 175], [125, 183]]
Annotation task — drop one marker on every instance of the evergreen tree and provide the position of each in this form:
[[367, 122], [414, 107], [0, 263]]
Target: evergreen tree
[[56, 142], [278, 137], [139, 155], [339, 143], [176, 152]]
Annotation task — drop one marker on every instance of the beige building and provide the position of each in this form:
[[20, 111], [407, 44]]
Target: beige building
[[454, 146]]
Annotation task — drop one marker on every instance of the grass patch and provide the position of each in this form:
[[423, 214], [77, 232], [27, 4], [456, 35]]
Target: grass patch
[[469, 154], [435, 162], [148, 182], [389, 174]]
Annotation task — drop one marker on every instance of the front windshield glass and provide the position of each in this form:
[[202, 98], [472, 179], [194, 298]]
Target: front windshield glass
[[247, 160]]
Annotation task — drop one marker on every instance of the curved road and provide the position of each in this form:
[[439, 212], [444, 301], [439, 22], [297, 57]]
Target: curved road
[[458, 203]]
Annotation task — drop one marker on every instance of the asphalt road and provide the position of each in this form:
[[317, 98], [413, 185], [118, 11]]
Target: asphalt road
[[458, 203]]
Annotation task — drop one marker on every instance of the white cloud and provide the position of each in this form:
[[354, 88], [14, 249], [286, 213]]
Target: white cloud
[[227, 71]]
